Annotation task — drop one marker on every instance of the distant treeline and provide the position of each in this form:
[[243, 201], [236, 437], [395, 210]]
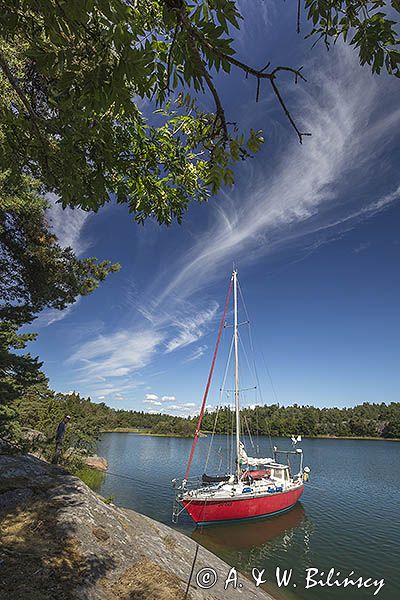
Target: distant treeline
[[44, 411], [365, 420]]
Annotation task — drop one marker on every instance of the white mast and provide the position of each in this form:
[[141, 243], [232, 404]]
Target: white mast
[[237, 406]]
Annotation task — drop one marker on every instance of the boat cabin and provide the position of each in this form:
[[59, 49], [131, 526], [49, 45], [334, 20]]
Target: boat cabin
[[279, 472], [274, 471]]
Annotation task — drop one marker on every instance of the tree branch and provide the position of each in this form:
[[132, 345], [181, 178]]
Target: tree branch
[[298, 15], [18, 90], [220, 113], [169, 62], [287, 113], [195, 36]]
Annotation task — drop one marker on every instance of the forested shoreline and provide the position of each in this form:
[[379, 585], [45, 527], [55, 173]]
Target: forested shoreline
[[89, 419]]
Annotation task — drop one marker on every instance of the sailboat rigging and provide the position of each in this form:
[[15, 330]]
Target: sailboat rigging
[[255, 487]]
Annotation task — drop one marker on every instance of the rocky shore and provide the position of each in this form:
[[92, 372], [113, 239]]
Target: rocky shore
[[59, 540]]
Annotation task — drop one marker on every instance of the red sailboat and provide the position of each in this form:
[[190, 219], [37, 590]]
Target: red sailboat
[[256, 487]]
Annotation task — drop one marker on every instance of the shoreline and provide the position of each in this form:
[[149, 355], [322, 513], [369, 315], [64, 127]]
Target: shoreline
[[142, 432], [313, 437]]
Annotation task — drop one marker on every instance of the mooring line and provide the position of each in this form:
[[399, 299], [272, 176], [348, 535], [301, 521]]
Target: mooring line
[[191, 573]]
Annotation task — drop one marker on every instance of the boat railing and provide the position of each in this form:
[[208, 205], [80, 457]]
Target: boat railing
[[184, 488], [194, 483]]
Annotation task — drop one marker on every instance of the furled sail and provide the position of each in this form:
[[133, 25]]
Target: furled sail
[[250, 461]]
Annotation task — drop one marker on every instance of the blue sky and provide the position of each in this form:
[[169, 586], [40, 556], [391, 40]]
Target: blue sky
[[313, 229]]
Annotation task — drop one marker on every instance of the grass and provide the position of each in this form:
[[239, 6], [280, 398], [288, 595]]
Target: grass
[[39, 560], [92, 477], [142, 581]]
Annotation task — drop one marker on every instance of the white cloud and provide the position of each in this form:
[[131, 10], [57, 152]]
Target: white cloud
[[197, 353], [117, 354], [362, 247], [112, 389], [192, 329], [67, 224], [168, 398], [52, 315], [154, 402], [182, 408], [101, 398]]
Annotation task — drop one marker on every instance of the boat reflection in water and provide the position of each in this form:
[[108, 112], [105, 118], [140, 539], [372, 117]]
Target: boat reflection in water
[[261, 543], [249, 534]]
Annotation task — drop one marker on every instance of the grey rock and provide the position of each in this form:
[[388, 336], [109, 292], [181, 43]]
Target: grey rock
[[61, 541]]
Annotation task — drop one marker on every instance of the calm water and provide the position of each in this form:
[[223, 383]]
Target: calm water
[[349, 516]]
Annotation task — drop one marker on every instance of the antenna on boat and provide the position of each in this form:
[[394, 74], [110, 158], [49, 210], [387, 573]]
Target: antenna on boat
[[237, 404]]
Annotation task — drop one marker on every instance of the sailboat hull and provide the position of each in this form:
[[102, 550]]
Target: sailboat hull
[[209, 511]]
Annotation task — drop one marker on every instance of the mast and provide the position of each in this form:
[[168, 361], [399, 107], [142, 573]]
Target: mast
[[237, 405]]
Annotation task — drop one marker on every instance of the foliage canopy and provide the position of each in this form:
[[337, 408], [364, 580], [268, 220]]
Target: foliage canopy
[[74, 75], [35, 273]]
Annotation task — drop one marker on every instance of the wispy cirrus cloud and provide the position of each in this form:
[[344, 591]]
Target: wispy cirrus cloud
[[191, 329], [68, 224], [118, 354], [197, 353], [306, 197], [52, 315], [313, 188]]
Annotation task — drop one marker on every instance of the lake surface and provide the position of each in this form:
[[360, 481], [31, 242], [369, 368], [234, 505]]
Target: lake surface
[[348, 518]]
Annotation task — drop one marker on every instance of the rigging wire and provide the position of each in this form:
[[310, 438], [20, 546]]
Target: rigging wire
[[270, 378], [220, 402], [255, 366], [233, 425], [248, 431], [228, 439], [212, 438]]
